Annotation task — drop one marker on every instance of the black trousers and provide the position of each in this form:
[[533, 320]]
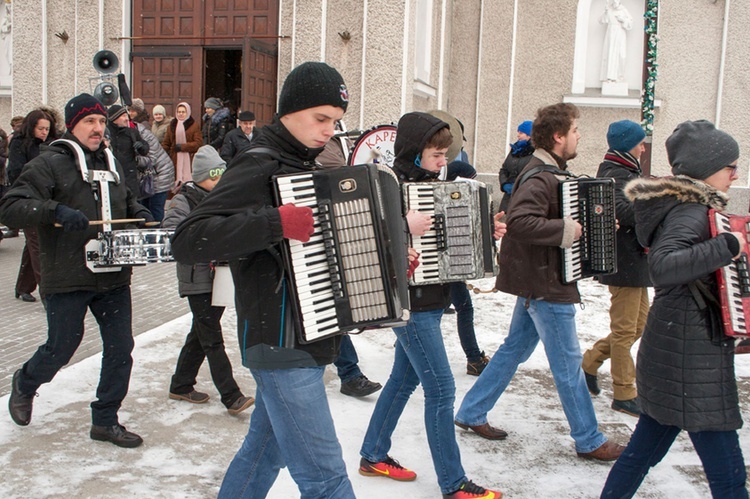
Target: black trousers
[[65, 316], [205, 341]]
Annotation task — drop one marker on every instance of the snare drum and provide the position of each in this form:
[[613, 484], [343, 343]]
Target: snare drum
[[123, 248], [375, 146]]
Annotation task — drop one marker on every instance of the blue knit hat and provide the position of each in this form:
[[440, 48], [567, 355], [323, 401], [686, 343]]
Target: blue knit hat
[[624, 135], [525, 127]]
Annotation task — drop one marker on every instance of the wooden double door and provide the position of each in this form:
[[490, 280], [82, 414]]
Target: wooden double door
[[184, 49]]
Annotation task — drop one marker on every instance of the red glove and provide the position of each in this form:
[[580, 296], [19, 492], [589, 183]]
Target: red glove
[[412, 267], [296, 222]]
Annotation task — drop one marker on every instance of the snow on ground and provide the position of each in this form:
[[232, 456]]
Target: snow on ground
[[188, 447]]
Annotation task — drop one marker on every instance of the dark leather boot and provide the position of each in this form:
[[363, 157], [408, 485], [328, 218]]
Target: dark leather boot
[[20, 404]]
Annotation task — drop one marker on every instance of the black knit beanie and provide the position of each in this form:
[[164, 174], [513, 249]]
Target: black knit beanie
[[698, 149], [81, 106], [312, 84]]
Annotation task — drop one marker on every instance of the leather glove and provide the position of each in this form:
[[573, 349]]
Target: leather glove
[[147, 219], [141, 148], [178, 148], [70, 219], [296, 222], [507, 188]]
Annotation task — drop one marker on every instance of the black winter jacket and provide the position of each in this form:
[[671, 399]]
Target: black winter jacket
[[238, 222], [514, 163], [234, 143], [632, 263], [411, 143], [20, 151], [216, 126], [684, 379], [53, 178], [126, 144]]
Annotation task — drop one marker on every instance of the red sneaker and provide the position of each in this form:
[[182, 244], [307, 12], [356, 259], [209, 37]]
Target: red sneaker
[[388, 468], [470, 490]]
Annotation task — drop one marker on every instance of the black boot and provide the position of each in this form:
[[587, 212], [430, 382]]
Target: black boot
[[20, 404], [591, 383], [117, 434], [360, 387]]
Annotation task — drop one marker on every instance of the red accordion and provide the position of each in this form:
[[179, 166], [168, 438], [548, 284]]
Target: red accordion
[[734, 279]]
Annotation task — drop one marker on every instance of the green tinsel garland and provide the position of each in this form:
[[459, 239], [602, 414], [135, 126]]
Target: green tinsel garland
[[647, 94]]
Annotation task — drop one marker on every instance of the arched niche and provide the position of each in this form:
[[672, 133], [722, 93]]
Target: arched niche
[[589, 43]]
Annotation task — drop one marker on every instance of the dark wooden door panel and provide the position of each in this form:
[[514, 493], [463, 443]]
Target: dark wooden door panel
[[166, 78], [259, 79]]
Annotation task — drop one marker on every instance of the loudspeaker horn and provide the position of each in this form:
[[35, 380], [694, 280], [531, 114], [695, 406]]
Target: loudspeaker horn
[[106, 93], [106, 62]]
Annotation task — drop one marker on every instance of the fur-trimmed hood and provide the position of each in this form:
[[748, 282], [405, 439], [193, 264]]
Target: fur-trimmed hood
[[653, 198]]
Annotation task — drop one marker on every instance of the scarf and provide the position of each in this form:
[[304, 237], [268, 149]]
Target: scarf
[[182, 168], [623, 158]]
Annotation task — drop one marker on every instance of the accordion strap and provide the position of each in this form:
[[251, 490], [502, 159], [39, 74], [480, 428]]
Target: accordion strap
[[539, 169]]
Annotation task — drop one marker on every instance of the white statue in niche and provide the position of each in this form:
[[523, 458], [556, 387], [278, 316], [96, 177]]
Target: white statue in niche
[[619, 22]]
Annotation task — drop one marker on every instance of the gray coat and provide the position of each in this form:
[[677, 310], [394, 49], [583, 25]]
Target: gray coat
[[164, 178], [685, 367], [196, 279]]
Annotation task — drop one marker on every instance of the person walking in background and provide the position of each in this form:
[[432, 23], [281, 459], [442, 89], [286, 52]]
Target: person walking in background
[[205, 339], [37, 128], [629, 286], [476, 359], [217, 122], [51, 190], [161, 122], [162, 166], [238, 139], [685, 367], [126, 143], [138, 113], [182, 140], [517, 159], [530, 268]]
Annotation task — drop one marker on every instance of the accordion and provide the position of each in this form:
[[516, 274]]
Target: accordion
[[591, 203], [352, 272], [733, 279], [459, 245]]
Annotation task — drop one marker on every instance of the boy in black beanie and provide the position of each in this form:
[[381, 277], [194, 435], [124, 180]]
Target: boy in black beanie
[[238, 222]]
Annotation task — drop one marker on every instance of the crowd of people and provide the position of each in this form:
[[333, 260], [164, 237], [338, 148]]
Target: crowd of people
[[211, 182]]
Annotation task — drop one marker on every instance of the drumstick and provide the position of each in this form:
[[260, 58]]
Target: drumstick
[[118, 221]]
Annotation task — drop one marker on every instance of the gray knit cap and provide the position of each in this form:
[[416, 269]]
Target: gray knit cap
[[698, 149]]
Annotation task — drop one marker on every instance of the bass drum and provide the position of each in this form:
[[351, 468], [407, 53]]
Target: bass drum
[[375, 146]]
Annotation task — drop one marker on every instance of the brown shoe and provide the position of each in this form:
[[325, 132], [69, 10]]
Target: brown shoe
[[485, 430], [608, 451], [240, 405], [195, 397]]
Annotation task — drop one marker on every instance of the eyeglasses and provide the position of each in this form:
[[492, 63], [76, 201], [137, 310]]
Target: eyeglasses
[[733, 168]]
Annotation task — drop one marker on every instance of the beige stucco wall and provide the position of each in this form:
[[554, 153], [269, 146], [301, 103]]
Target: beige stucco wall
[[68, 64]]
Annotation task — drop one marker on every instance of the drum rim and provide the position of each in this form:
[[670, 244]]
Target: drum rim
[[361, 138]]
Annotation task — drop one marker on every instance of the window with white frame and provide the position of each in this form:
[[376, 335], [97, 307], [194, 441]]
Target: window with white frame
[[423, 41]]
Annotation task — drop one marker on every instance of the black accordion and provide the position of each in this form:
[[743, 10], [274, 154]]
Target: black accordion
[[590, 202], [459, 245], [352, 272]]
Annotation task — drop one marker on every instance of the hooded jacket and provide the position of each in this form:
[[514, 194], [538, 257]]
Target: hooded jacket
[[684, 378], [530, 260], [216, 127], [239, 223], [53, 178], [517, 159], [415, 130], [164, 177]]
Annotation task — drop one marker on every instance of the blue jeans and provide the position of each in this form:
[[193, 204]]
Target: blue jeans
[[290, 426], [65, 316], [461, 299], [420, 358], [155, 204], [347, 363], [719, 451], [554, 324]]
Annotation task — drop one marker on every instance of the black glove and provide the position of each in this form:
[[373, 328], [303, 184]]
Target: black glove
[[70, 219], [147, 218], [141, 148], [177, 147]]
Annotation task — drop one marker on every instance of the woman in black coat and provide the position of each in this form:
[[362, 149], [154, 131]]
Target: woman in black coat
[[38, 127], [685, 366]]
